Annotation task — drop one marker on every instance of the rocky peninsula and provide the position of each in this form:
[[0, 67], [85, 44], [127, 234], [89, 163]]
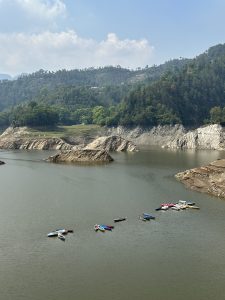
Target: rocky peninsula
[[82, 156], [96, 151], [207, 179]]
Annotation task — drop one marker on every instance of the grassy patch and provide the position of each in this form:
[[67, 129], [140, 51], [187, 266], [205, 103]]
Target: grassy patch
[[65, 131]]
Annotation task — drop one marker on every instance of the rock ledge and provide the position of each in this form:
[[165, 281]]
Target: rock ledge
[[207, 179], [83, 156]]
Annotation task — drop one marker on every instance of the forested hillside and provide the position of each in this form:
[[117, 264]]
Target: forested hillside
[[72, 95], [192, 96], [191, 92], [28, 87]]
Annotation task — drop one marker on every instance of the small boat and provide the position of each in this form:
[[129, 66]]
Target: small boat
[[106, 227], [182, 202], [120, 219], [183, 206], [164, 207], [101, 228], [62, 231], [168, 204], [96, 227], [176, 207], [52, 234], [159, 208], [143, 219], [61, 236], [110, 226], [191, 203], [145, 215], [193, 206]]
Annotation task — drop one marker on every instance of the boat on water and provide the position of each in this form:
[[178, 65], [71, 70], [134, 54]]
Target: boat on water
[[145, 215], [120, 219], [159, 208], [52, 234], [106, 227], [166, 207], [175, 207], [101, 228], [168, 204], [143, 219], [62, 231], [61, 236], [96, 227], [193, 206], [191, 203]]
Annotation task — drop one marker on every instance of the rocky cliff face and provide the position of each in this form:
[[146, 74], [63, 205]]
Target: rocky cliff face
[[157, 135], [176, 137], [208, 179], [81, 156], [123, 139], [112, 143], [35, 144], [18, 138], [209, 137]]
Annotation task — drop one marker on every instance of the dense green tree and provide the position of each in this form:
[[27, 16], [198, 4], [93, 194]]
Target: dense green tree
[[216, 115]]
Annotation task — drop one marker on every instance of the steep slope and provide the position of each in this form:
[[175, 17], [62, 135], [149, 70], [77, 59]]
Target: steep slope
[[184, 96]]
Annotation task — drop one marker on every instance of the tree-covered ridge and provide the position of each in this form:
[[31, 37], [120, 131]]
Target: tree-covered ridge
[[184, 96], [28, 87], [190, 92]]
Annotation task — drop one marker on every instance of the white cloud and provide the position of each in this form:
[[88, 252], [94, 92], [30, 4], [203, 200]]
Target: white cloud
[[43, 8], [20, 52]]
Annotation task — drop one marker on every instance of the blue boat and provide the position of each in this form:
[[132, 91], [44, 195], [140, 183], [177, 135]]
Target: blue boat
[[148, 216], [101, 228], [106, 227]]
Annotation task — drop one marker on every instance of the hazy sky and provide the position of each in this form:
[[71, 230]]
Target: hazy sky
[[68, 34]]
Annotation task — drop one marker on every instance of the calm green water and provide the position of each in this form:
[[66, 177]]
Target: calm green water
[[180, 255]]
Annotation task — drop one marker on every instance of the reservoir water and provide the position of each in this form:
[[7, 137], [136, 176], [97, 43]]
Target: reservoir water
[[180, 255]]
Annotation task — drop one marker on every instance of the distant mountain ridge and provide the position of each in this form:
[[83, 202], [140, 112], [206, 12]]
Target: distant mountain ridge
[[27, 87], [182, 91]]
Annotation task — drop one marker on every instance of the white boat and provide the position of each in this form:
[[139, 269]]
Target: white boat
[[176, 207], [62, 231], [52, 234], [182, 202], [61, 236], [193, 206], [165, 207], [96, 227]]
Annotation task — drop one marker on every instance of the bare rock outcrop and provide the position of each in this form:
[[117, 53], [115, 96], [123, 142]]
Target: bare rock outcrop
[[157, 135], [210, 137], [19, 138], [208, 179], [112, 143], [81, 156]]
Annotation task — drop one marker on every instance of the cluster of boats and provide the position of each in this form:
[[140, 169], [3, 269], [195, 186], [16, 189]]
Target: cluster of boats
[[180, 205], [60, 233]]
